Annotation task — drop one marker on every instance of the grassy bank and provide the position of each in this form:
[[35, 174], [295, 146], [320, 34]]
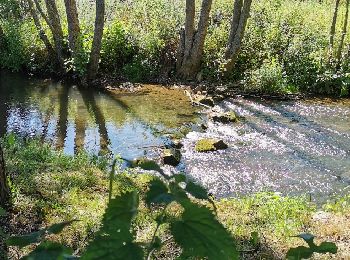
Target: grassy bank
[[285, 49], [49, 187]]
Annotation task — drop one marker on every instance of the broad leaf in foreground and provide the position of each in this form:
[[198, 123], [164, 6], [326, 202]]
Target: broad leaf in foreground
[[197, 191], [25, 240], [302, 252], [49, 251], [114, 240], [158, 193], [201, 235], [57, 228]]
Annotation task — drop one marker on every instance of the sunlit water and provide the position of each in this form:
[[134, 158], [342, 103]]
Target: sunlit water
[[299, 147], [70, 117]]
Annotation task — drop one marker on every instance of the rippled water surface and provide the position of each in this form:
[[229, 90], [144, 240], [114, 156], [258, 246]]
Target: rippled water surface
[[299, 147], [70, 117]]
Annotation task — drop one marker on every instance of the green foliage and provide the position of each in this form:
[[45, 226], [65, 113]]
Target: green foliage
[[201, 235], [303, 252], [114, 240], [117, 48], [49, 251], [269, 78], [196, 229], [25, 240]]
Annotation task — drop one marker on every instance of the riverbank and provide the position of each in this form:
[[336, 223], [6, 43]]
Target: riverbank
[[50, 187]]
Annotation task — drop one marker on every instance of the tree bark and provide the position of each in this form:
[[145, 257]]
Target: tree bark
[[332, 31], [97, 41], [42, 33], [344, 31], [191, 46], [4, 188], [73, 25], [238, 25], [56, 29]]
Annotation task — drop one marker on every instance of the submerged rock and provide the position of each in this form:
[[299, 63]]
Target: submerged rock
[[171, 157], [229, 117], [210, 145]]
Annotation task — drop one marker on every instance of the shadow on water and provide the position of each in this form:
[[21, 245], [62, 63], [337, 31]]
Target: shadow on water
[[72, 117]]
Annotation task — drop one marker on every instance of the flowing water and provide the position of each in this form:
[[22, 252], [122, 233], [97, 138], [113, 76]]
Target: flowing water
[[294, 147], [299, 147]]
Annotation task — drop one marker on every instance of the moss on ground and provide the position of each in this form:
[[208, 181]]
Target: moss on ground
[[50, 187]]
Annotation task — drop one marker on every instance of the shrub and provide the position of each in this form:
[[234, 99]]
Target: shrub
[[117, 48], [269, 78]]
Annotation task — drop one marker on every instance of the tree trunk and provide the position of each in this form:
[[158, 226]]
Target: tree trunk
[[56, 29], [238, 25], [332, 31], [42, 33], [4, 188], [190, 51], [97, 41], [344, 31], [73, 25]]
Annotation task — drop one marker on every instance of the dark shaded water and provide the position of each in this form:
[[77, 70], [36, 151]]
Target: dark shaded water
[[69, 117], [300, 147]]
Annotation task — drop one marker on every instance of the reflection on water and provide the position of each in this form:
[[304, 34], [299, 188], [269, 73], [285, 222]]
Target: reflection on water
[[290, 147], [72, 117]]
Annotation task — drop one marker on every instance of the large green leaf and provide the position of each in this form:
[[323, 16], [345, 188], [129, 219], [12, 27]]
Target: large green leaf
[[57, 228], [158, 193], [197, 191], [327, 247], [25, 240], [300, 252], [35, 237], [114, 240], [49, 251], [201, 235]]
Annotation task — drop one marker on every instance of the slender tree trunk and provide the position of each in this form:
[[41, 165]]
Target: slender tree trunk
[[56, 28], [42, 33], [190, 51], [332, 31], [344, 31], [4, 188], [73, 25], [238, 25], [97, 41]]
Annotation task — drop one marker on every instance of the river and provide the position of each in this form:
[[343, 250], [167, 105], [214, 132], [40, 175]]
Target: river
[[292, 147]]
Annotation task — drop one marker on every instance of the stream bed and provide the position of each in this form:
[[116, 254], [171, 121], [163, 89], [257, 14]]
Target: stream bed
[[291, 147]]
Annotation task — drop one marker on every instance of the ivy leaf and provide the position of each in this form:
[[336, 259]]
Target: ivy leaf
[[25, 240], [158, 193], [201, 235], [300, 252], [327, 247], [114, 241], [197, 191], [57, 228], [49, 251]]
